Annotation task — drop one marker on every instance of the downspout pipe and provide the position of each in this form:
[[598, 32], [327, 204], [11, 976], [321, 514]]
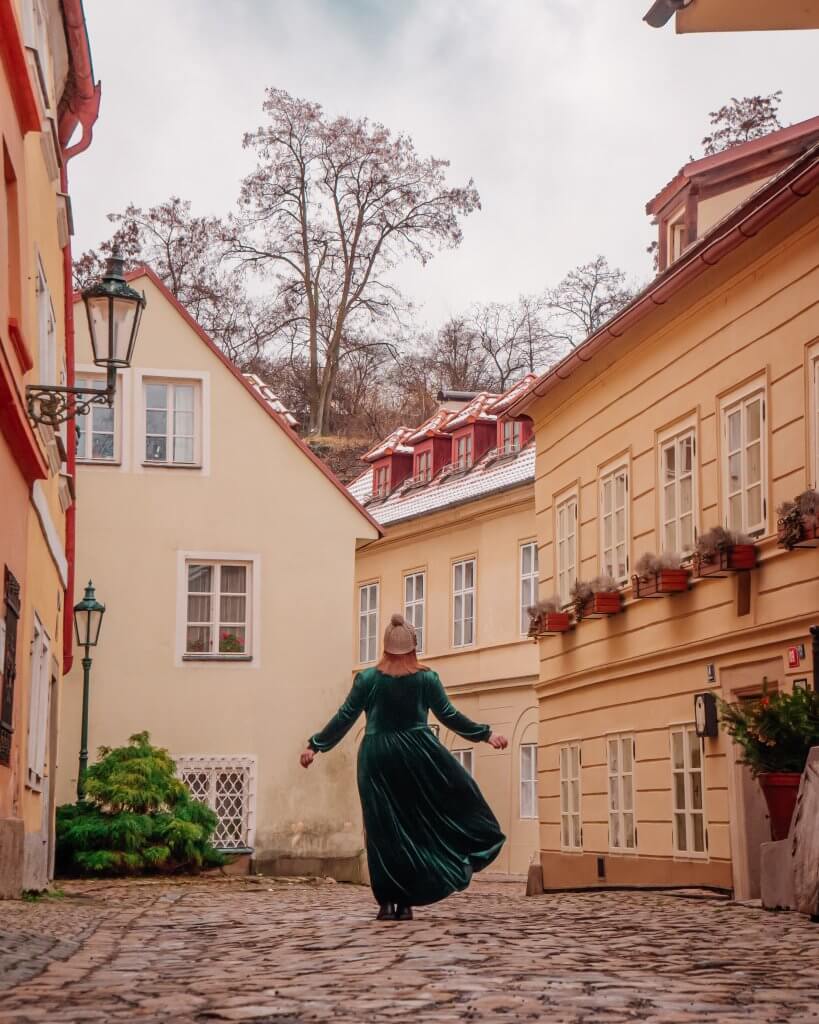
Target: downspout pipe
[[79, 105]]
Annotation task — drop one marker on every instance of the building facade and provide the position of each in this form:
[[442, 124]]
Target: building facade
[[696, 406], [224, 552], [46, 92], [455, 498], [734, 15]]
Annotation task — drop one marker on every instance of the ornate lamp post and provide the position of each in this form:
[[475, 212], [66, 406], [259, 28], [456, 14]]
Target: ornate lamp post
[[114, 312], [88, 615]]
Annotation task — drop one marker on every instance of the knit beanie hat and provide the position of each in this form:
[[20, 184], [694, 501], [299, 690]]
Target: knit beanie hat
[[399, 636]]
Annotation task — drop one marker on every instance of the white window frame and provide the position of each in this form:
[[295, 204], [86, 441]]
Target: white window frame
[[215, 623], [688, 812], [567, 513], [529, 581], [465, 759], [415, 606], [423, 470], [512, 432], [38, 709], [202, 409], [464, 459], [528, 781], [674, 439], [621, 783], [189, 764], [368, 622], [252, 658], [170, 433], [463, 592], [570, 766], [675, 231], [86, 425], [740, 401], [46, 329], [609, 476]]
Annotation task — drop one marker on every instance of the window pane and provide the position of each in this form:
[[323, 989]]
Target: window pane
[[156, 396], [183, 449], [575, 830], [679, 791], [734, 431], [156, 422], [686, 494], [628, 830], [607, 496], [156, 449], [687, 454], [200, 578], [232, 640], [670, 496], [183, 398], [735, 512], [620, 490], [574, 753], [458, 637], [614, 830], [607, 526], [753, 420], [198, 608], [670, 537], [696, 791], [564, 831], [469, 574], [753, 505], [614, 760], [459, 576], [694, 749], [669, 462], [102, 446], [687, 532], [232, 609], [682, 843], [564, 761], [614, 795], [183, 423], [234, 579], [753, 464], [677, 756], [627, 750], [699, 833], [198, 640], [103, 419]]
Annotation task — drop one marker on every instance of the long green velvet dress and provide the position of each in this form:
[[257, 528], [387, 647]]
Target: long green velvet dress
[[428, 827]]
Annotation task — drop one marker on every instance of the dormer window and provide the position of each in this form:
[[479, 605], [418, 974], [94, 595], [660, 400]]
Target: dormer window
[[382, 481], [676, 238], [512, 434], [423, 467], [463, 451]]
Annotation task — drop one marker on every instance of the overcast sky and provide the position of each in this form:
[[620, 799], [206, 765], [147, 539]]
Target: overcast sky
[[568, 114]]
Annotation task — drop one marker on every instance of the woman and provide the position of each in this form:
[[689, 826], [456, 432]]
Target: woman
[[427, 825]]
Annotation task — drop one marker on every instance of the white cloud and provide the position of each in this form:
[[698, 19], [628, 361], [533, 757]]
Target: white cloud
[[568, 115]]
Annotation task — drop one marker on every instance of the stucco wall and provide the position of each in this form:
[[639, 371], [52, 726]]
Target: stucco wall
[[754, 316], [491, 680], [259, 497]]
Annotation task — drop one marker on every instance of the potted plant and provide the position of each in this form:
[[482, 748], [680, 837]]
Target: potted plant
[[658, 575], [776, 733], [719, 550], [599, 597], [797, 520], [547, 617], [229, 643]]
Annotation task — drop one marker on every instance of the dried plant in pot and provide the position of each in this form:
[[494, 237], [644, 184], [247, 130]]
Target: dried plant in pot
[[719, 550], [660, 575], [599, 597], [547, 617], [798, 520]]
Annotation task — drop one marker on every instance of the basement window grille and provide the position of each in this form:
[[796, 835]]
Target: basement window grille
[[228, 786]]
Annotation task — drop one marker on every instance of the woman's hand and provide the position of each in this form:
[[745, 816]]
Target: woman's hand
[[307, 757], [498, 742]]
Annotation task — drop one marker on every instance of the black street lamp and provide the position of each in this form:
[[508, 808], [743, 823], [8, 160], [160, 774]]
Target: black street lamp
[[114, 313], [88, 615]]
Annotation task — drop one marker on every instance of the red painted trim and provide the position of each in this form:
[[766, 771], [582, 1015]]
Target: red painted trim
[[16, 428], [13, 56], [21, 349], [279, 420], [71, 454], [744, 223]]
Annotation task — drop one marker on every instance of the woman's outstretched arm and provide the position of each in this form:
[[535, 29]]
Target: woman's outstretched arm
[[342, 721], [448, 715]]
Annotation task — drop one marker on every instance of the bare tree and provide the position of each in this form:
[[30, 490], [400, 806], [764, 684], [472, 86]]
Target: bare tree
[[585, 298], [331, 206], [186, 253], [742, 120], [515, 338]]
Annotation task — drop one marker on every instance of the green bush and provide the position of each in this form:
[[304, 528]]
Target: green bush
[[775, 732], [137, 817]]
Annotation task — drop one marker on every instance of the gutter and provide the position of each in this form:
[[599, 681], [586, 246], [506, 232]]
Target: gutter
[[794, 183]]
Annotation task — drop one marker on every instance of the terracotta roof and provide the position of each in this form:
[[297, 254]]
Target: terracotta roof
[[433, 427], [272, 400], [277, 417], [795, 133], [491, 475], [395, 444], [480, 408], [743, 223], [508, 398]]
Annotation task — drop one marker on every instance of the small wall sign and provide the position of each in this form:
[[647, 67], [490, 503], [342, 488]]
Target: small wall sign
[[705, 714], [793, 657], [711, 672]]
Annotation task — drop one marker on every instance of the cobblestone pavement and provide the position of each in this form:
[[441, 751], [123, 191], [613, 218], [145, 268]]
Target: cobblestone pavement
[[273, 952]]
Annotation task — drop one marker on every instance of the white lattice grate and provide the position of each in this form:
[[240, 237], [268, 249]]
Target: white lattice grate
[[228, 786]]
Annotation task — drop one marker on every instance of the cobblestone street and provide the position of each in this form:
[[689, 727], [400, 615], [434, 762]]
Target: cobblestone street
[[274, 952]]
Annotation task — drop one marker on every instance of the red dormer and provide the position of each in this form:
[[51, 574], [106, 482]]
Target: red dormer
[[392, 462], [514, 432], [432, 447], [473, 431]]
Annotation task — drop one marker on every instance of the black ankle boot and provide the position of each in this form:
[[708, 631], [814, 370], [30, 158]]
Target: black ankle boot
[[386, 912], [403, 913]]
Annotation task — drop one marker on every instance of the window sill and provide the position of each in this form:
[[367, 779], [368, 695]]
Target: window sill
[[99, 462], [217, 657], [172, 465]]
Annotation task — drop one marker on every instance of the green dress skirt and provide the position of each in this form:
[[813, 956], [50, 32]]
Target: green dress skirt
[[427, 825]]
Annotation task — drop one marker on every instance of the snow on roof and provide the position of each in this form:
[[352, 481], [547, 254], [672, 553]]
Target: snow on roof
[[480, 408], [272, 400], [489, 476], [514, 393], [434, 425], [395, 444]]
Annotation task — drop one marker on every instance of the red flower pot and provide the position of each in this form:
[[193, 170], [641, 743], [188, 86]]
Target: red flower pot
[[666, 581], [603, 603], [737, 558], [555, 622], [780, 790]]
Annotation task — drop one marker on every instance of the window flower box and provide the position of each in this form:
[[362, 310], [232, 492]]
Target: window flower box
[[736, 558], [661, 583], [546, 617], [603, 604], [596, 599], [798, 521]]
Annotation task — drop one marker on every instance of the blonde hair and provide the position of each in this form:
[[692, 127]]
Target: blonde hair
[[400, 664]]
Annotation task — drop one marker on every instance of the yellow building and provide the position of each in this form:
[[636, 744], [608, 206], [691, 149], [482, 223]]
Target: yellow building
[[224, 552], [734, 15], [455, 498], [695, 406], [46, 91]]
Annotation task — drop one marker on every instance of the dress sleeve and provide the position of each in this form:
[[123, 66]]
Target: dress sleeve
[[343, 720], [448, 715]]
